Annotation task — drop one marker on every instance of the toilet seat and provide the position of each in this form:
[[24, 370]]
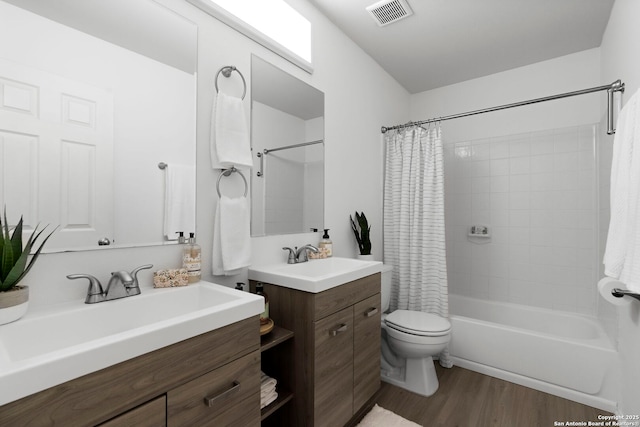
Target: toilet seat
[[418, 323]]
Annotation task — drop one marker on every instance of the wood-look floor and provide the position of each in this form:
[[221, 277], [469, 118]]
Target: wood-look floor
[[469, 399]]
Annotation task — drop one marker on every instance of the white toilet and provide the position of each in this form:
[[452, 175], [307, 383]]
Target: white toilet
[[410, 339]]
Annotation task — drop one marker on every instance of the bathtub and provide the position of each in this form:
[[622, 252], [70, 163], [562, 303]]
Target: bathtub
[[562, 354]]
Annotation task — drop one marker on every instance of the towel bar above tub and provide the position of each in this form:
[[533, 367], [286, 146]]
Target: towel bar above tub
[[227, 172], [226, 71]]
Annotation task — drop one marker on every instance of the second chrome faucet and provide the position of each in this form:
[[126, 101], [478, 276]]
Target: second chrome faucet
[[298, 255]]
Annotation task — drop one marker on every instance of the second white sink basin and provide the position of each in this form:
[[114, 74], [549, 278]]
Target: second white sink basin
[[315, 275], [47, 348]]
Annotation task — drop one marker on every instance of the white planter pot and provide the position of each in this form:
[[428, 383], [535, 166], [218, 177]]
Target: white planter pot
[[365, 257], [13, 304]]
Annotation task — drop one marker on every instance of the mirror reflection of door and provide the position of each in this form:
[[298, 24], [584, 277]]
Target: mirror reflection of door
[[56, 136], [87, 114]]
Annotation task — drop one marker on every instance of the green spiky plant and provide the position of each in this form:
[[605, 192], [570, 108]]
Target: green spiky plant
[[13, 256], [361, 230]]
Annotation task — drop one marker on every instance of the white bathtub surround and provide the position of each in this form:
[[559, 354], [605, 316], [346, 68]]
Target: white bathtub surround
[[568, 355], [414, 235], [622, 254], [537, 193]]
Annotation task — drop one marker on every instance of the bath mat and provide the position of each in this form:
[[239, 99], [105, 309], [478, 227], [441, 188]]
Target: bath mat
[[380, 417]]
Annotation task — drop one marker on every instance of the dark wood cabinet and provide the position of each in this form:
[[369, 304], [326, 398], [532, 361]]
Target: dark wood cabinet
[[164, 387], [276, 348], [336, 349], [150, 414]]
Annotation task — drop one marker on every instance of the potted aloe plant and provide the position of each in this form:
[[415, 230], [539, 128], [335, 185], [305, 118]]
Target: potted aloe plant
[[14, 298], [361, 229]]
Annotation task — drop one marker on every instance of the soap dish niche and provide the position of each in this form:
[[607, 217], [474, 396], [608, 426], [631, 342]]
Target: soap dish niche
[[479, 233]]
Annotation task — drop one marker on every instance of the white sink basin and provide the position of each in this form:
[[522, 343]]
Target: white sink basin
[[44, 349], [316, 275]]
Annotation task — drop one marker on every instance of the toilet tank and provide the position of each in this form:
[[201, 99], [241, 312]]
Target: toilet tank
[[385, 292]]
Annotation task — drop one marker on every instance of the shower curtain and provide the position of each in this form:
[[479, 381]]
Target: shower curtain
[[413, 220]]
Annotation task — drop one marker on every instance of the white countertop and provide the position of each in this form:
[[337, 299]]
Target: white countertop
[[57, 344]]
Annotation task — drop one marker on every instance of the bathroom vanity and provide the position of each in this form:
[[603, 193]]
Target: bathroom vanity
[[211, 379], [167, 357], [336, 348]]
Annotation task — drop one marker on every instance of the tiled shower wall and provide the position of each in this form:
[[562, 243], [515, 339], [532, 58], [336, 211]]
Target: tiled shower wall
[[537, 193]]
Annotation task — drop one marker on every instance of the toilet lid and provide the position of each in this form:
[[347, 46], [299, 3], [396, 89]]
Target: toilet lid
[[418, 323]]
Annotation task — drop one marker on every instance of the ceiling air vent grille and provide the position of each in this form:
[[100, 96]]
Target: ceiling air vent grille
[[386, 12]]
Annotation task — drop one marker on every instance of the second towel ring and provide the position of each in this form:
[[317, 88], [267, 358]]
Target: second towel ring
[[226, 71], [227, 172]]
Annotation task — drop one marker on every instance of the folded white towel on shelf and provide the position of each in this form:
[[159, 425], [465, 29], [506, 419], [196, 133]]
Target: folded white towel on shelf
[[269, 399], [179, 200], [231, 236], [622, 254], [267, 386], [229, 144]]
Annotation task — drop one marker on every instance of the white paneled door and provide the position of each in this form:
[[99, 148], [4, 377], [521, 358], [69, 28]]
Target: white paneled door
[[56, 142]]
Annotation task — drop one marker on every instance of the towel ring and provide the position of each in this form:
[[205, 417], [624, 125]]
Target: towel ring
[[226, 71], [227, 172]]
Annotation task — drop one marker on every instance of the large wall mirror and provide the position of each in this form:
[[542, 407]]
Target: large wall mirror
[[287, 137], [94, 95]]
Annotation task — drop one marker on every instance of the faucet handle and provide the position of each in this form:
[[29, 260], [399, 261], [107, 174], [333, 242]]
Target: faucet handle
[[134, 288], [292, 255], [134, 272], [95, 292]]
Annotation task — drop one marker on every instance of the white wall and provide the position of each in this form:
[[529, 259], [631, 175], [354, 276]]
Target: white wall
[[359, 98], [620, 60], [564, 74]]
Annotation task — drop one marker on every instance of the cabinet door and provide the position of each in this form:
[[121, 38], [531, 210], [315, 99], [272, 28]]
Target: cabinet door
[[366, 349], [227, 396], [151, 414], [333, 369]]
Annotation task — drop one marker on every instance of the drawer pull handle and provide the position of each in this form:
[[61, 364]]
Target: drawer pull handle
[[371, 311], [341, 328], [211, 400]]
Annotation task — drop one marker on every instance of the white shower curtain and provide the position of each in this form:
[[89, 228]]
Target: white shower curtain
[[414, 239]]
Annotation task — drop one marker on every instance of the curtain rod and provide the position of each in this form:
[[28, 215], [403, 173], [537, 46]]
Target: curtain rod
[[303, 144], [616, 86]]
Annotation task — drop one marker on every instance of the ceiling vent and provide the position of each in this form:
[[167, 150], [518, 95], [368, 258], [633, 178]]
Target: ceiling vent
[[386, 12]]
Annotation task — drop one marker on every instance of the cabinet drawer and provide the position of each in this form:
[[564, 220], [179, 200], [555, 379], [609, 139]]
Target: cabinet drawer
[[335, 299], [366, 350], [227, 396], [151, 414], [333, 369]]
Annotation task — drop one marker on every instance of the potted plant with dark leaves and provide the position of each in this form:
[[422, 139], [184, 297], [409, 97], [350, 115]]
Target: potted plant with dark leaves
[[14, 266], [361, 229]]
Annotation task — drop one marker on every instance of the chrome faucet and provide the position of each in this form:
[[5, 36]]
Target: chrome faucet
[[129, 288], [298, 255]]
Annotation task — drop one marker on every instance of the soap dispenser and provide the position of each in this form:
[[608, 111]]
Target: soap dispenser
[[191, 259], [326, 245]]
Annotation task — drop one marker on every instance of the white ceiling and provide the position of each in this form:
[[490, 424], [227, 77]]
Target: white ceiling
[[449, 41]]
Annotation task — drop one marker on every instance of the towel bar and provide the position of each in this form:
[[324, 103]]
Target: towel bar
[[227, 172], [619, 293], [226, 71]]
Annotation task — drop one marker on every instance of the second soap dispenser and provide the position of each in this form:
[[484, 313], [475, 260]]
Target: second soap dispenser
[[326, 245], [191, 259]]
